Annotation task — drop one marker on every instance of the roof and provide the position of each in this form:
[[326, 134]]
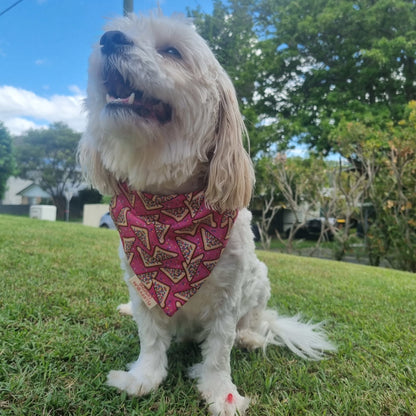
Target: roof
[[34, 191]]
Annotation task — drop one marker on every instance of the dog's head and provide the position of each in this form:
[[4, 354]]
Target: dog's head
[[163, 114]]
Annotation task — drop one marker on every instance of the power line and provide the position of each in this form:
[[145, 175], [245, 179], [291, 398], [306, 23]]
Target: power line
[[10, 7], [127, 7]]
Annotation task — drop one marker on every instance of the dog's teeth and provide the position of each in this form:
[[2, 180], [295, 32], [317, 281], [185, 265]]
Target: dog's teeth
[[131, 98]]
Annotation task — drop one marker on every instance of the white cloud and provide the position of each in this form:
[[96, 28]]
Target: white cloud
[[22, 109], [18, 125]]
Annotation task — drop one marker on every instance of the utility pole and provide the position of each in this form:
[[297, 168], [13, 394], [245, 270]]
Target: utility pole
[[68, 196], [127, 7]]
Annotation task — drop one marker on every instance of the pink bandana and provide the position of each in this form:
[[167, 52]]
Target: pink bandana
[[172, 243]]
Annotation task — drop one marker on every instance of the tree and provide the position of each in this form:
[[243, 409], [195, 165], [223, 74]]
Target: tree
[[294, 184], [343, 200], [301, 182], [388, 160], [231, 33], [48, 157], [6, 158], [267, 198], [325, 61]]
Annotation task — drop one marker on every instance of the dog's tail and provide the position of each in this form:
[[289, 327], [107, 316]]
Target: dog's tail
[[305, 339]]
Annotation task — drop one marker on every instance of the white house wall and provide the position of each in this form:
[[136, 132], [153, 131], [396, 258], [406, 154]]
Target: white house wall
[[13, 186]]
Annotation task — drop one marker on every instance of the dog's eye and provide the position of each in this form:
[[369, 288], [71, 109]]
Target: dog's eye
[[171, 51]]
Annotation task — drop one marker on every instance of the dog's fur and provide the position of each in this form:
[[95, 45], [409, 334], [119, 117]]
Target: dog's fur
[[192, 140]]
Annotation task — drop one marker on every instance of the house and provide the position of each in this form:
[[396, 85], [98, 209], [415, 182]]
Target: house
[[13, 187], [33, 194], [20, 195]]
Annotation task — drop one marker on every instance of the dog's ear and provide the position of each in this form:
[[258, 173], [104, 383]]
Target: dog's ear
[[95, 172], [231, 175]]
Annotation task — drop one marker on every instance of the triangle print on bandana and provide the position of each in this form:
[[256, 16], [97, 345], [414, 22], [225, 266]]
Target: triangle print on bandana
[[172, 242]]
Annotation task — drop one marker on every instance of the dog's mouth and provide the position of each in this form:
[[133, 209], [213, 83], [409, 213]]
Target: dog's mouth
[[120, 95]]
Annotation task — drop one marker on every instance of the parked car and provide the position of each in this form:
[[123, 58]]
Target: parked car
[[107, 222], [311, 230]]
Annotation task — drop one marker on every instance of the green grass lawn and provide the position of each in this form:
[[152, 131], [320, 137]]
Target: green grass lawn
[[60, 334]]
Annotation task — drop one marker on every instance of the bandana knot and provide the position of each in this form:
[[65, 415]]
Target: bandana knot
[[172, 243]]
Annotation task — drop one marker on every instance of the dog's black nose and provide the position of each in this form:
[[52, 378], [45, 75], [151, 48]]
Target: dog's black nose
[[114, 41]]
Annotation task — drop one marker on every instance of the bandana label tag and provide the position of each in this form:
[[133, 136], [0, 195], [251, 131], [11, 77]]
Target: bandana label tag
[[143, 292]]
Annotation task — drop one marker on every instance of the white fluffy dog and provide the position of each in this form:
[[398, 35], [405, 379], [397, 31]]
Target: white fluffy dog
[[163, 122]]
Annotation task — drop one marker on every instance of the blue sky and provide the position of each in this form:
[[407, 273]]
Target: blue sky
[[44, 49]]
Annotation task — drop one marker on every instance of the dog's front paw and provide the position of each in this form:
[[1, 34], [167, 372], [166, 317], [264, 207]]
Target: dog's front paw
[[219, 392], [125, 309], [132, 384], [231, 404]]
